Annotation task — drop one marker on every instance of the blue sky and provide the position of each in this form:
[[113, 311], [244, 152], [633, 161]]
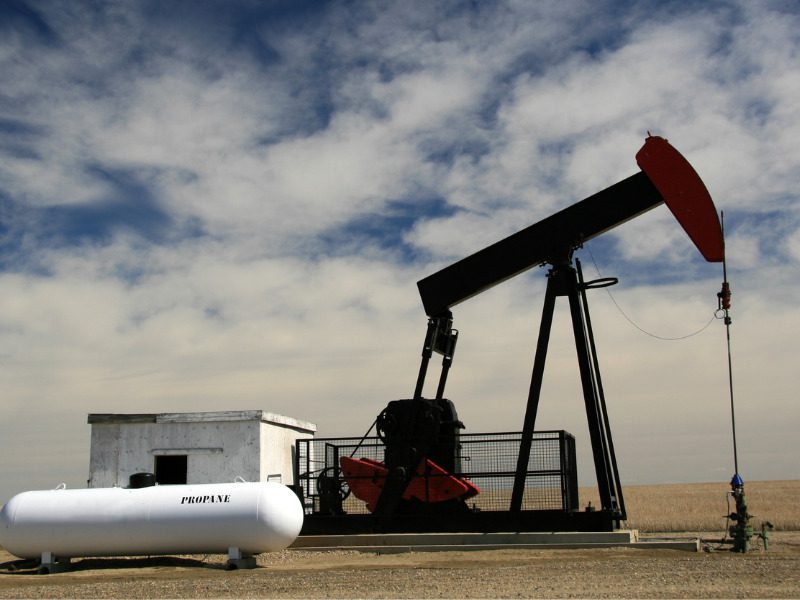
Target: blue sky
[[227, 205]]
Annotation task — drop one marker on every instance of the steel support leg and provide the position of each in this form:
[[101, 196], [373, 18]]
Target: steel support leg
[[602, 467], [534, 392], [564, 280], [618, 502]]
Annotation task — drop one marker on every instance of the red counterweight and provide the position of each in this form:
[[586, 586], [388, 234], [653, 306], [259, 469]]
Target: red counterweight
[[685, 195], [366, 479]]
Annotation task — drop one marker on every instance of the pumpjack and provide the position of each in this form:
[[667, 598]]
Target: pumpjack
[[418, 486]]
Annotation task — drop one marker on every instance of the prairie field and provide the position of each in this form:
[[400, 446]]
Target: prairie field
[[703, 506]]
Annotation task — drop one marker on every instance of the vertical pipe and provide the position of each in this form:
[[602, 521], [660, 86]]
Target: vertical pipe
[[725, 305]]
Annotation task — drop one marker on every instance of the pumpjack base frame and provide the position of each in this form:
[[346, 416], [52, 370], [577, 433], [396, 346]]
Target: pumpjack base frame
[[479, 522], [487, 460]]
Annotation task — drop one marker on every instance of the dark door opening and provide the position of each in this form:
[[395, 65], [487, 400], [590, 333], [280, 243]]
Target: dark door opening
[[171, 470]]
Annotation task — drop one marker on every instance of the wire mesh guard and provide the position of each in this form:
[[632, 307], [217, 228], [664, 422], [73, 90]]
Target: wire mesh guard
[[487, 460]]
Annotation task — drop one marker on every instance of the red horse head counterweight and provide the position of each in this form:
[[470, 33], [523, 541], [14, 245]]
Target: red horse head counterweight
[[684, 194]]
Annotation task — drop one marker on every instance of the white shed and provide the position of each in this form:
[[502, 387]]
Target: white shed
[[199, 447]]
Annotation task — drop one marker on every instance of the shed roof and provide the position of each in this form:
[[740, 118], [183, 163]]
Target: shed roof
[[201, 417]]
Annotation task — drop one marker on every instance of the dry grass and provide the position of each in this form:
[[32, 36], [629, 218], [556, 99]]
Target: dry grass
[[673, 507], [702, 506]]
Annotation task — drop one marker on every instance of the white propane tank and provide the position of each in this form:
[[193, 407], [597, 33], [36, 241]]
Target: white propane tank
[[167, 519]]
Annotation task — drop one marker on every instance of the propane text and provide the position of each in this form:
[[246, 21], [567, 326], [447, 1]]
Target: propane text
[[205, 499]]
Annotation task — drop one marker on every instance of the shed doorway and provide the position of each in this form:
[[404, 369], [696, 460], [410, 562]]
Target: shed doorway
[[171, 469]]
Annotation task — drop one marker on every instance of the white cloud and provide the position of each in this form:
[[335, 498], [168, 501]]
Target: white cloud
[[793, 244], [264, 155]]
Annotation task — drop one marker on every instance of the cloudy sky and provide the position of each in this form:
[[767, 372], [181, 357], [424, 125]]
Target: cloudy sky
[[226, 205]]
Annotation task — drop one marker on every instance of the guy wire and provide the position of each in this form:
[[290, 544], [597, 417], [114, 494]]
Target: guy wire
[[644, 331]]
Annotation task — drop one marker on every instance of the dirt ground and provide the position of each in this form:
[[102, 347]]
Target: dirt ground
[[595, 573]]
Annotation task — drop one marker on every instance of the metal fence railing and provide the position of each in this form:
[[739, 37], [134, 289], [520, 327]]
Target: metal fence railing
[[486, 460]]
